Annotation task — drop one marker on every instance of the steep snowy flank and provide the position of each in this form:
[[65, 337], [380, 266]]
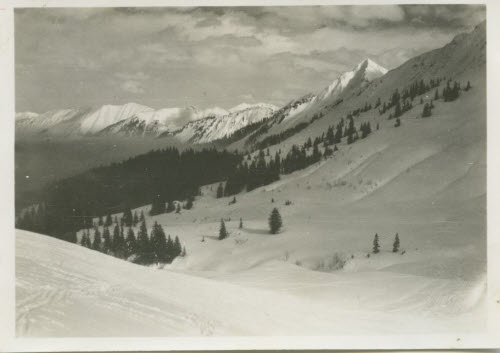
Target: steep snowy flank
[[217, 127], [26, 115], [304, 108], [33, 123], [134, 119], [367, 70], [108, 115], [156, 122], [244, 106]]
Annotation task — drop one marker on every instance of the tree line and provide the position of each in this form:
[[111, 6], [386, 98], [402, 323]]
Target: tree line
[[159, 175], [142, 249]]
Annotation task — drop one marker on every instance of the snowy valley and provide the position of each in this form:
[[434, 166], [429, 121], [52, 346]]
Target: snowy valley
[[408, 158]]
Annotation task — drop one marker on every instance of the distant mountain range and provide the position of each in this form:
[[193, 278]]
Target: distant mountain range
[[187, 125]]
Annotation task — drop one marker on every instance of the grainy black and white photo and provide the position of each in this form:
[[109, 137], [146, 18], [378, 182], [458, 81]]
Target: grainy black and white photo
[[250, 171]]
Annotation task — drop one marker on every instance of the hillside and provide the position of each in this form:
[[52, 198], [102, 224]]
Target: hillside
[[462, 59], [424, 179]]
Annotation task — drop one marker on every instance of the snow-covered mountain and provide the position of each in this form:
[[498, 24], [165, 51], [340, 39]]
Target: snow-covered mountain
[[217, 127], [153, 123], [365, 71], [304, 107], [133, 119]]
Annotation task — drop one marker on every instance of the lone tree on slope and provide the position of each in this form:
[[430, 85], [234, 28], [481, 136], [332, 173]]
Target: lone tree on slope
[[220, 191], [376, 246], [275, 222], [241, 223], [395, 245], [222, 230]]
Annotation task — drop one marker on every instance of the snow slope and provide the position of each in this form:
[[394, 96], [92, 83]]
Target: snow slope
[[293, 283], [133, 119], [425, 180], [464, 58], [367, 70], [217, 127], [303, 108]]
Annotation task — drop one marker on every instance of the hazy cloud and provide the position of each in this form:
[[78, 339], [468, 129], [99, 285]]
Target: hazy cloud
[[213, 55]]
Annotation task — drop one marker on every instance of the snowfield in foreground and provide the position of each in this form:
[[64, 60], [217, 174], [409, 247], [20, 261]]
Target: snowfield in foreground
[[63, 290]]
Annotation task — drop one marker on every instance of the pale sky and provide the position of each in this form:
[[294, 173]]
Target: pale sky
[[213, 56]]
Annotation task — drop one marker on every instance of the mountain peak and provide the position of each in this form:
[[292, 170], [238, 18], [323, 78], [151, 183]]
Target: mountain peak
[[371, 68], [366, 70]]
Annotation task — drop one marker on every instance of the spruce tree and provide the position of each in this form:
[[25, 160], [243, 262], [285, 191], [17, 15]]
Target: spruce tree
[[83, 240], [426, 111], [170, 249], [106, 246], [127, 217], [222, 230], [159, 243], [177, 246], [109, 220], [96, 244], [189, 203], [220, 191], [116, 235], [135, 220], [142, 218], [241, 223], [376, 246], [130, 243], [170, 207], [395, 245], [178, 209], [275, 222], [119, 244], [100, 222], [143, 248]]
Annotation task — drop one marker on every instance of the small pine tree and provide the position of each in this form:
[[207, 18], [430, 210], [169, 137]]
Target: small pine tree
[[141, 218], [130, 243], [189, 203], [376, 246], [143, 247], [178, 209], [106, 245], [275, 222], [159, 244], [241, 223], [177, 247], [395, 245], [222, 230], [436, 95], [170, 207], [96, 244], [397, 123], [220, 191], [109, 220], [426, 112], [468, 87], [135, 219]]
